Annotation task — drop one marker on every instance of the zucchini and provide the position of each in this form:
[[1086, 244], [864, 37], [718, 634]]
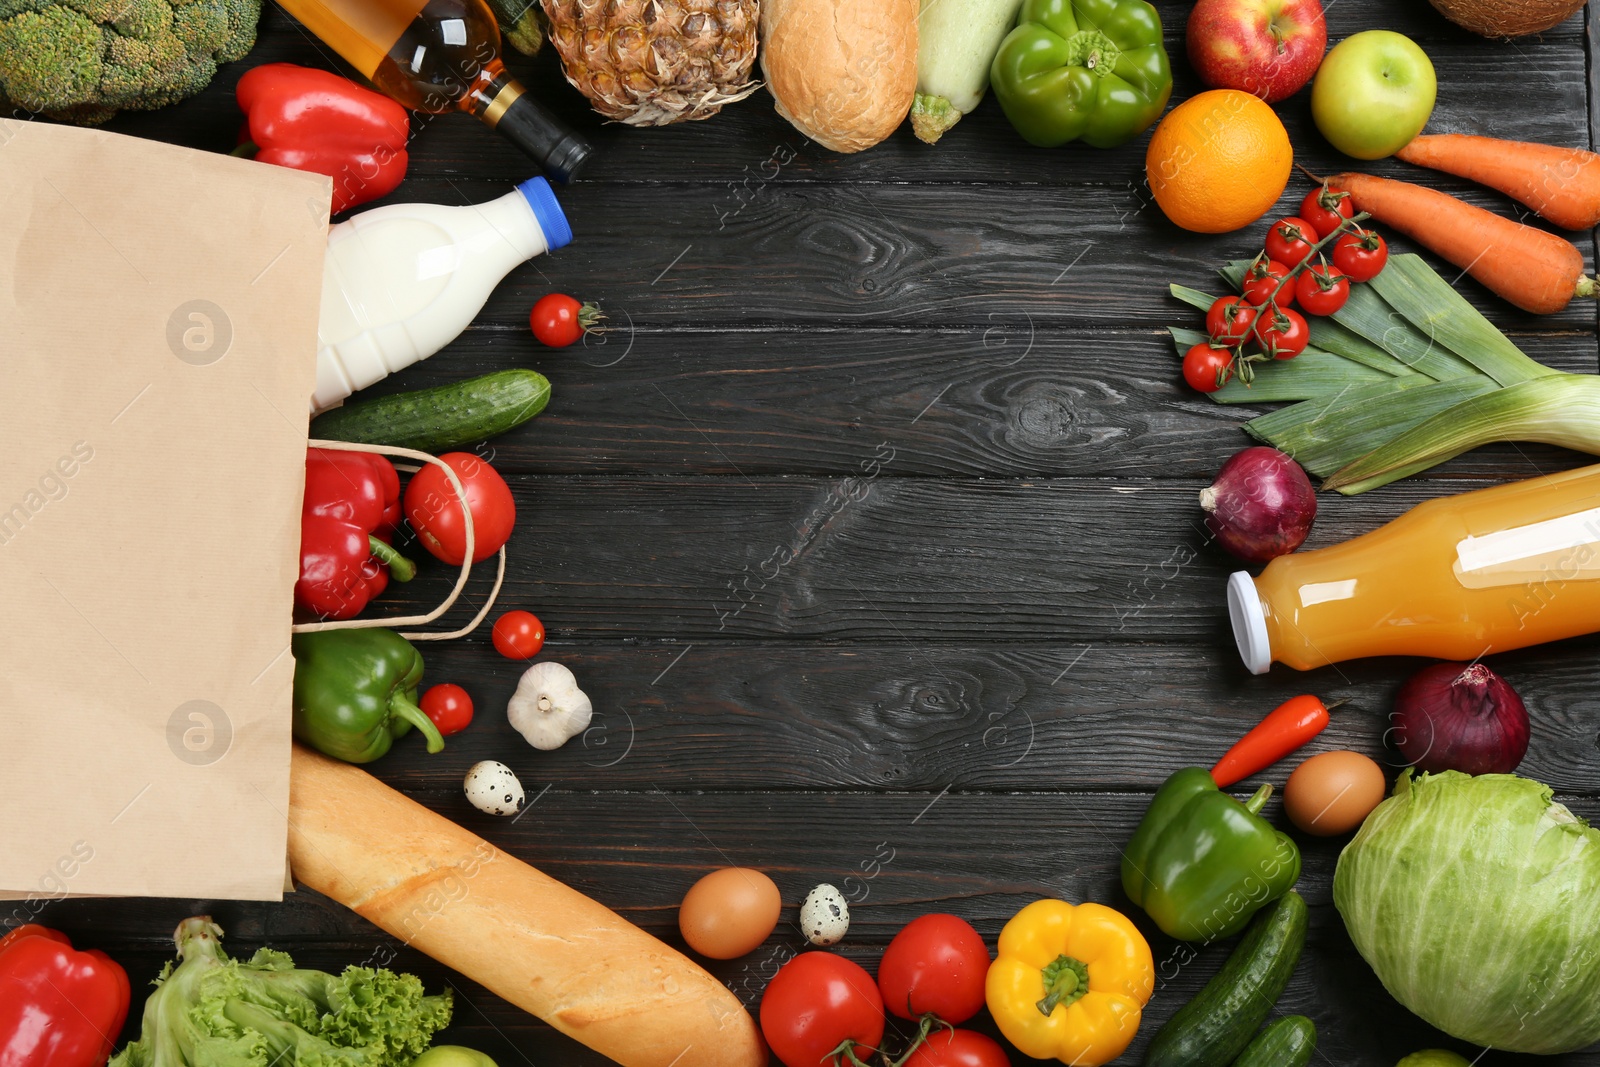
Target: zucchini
[[1219, 1022], [440, 419], [1286, 1042]]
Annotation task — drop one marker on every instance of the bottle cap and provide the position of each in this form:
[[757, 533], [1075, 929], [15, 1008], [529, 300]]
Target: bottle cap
[[526, 124], [1249, 622], [547, 212]]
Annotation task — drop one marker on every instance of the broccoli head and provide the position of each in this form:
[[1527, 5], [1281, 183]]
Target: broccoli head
[[84, 60]]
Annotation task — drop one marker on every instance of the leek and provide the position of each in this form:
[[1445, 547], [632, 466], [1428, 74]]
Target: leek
[[1405, 376]]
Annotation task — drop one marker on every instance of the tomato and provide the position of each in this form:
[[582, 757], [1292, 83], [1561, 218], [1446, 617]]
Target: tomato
[[435, 512], [1326, 209], [1229, 319], [448, 706], [815, 1003], [1262, 278], [1360, 255], [518, 635], [1283, 334], [1206, 368], [558, 320], [959, 1048], [1290, 241], [937, 964], [1322, 289]]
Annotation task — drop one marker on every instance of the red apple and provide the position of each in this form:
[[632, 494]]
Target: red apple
[[1268, 48]]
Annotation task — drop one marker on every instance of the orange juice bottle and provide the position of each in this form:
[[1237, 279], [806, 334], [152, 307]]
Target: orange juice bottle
[[439, 55], [1453, 578]]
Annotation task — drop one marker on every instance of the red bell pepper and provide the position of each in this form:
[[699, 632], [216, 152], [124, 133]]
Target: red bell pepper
[[58, 1007], [313, 120], [351, 511]]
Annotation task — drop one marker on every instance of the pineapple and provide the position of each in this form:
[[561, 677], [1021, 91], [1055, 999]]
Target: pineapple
[[655, 62]]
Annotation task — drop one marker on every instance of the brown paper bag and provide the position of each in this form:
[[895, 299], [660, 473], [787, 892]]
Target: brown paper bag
[[158, 310]]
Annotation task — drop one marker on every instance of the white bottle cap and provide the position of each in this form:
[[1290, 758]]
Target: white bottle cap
[[1249, 622]]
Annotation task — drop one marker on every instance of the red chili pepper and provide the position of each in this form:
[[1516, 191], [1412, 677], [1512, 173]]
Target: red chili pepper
[[1292, 724], [351, 510], [316, 121], [58, 1007]]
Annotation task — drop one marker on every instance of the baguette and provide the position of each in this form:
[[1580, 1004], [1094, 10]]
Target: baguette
[[519, 933]]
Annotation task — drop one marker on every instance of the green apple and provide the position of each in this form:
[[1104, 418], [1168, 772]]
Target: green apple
[[1373, 94], [452, 1056]]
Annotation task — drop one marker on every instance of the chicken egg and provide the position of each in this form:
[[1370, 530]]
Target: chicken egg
[[824, 916], [729, 912], [1332, 793]]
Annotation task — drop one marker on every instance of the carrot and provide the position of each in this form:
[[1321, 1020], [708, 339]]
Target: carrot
[[1534, 269], [1561, 184], [1294, 722]]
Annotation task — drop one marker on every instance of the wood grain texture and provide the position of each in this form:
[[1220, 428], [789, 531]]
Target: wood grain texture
[[1001, 400], [895, 856], [879, 559]]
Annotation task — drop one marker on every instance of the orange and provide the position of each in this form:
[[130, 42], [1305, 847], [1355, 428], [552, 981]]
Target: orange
[[1218, 161]]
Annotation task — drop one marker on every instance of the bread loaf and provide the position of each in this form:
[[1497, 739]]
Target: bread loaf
[[843, 71], [519, 933]]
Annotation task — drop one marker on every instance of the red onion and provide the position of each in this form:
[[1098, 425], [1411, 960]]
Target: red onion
[[1261, 506], [1460, 717]]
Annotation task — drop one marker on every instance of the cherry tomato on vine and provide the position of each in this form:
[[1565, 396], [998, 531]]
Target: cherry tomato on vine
[[1229, 319], [1326, 209], [449, 707], [518, 635], [1283, 333], [1206, 368], [558, 320], [434, 510], [1360, 255], [1290, 241], [1322, 290], [815, 1003], [936, 963], [959, 1048], [1262, 278]]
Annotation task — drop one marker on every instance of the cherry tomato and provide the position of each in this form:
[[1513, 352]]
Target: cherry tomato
[[959, 1048], [1262, 278], [1326, 209], [937, 964], [448, 706], [1290, 240], [435, 511], [1322, 289], [1229, 319], [815, 1003], [518, 635], [1283, 333], [1360, 255], [1206, 368], [558, 320]]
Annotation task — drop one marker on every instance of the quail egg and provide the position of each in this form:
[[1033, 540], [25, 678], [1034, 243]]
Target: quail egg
[[493, 789], [824, 916]]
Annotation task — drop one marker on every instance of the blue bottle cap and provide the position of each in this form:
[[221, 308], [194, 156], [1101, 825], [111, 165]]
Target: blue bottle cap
[[547, 212]]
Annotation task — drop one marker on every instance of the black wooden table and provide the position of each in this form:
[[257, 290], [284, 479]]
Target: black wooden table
[[871, 530]]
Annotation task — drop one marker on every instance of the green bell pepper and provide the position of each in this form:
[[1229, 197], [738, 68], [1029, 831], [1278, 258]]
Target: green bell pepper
[[355, 691], [1201, 863], [1094, 70]]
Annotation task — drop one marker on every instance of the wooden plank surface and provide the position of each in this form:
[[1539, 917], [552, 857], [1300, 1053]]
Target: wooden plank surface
[[871, 529]]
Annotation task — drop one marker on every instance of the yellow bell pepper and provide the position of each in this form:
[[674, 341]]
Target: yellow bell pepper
[[1070, 982]]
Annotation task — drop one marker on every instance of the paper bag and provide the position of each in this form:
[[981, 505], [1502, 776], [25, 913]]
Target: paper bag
[[158, 310]]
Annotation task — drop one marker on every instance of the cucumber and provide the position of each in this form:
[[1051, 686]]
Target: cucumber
[[1217, 1024], [1286, 1042], [440, 419]]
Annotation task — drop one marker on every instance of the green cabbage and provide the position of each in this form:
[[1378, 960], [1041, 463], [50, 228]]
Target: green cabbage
[[1477, 902]]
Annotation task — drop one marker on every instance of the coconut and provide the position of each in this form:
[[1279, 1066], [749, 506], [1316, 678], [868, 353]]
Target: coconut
[[1507, 18]]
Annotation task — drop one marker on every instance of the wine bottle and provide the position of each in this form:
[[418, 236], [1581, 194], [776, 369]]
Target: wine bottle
[[442, 55]]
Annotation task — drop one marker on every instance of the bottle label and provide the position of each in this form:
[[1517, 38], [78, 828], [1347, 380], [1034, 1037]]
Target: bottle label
[[1564, 549]]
